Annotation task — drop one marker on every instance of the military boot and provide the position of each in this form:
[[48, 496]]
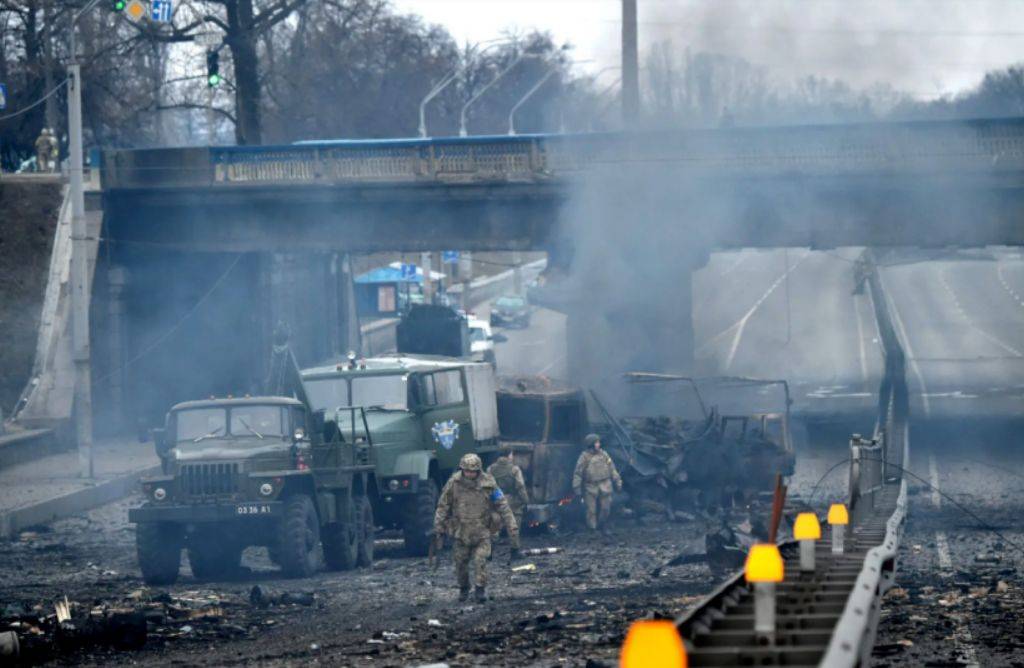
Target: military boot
[[463, 594], [481, 595]]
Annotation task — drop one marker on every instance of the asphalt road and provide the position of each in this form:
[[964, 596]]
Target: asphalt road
[[961, 319], [959, 597], [790, 314]]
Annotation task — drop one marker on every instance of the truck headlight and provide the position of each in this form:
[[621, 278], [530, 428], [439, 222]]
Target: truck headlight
[[159, 494], [266, 489], [393, 484]]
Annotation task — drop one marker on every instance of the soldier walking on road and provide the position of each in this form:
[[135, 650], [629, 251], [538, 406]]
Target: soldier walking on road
[[509, 477], [595, 472], [467, 507]]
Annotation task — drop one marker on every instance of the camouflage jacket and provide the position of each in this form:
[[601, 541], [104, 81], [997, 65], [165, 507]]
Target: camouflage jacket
[[510, 479], [594, 468], [467, 508]]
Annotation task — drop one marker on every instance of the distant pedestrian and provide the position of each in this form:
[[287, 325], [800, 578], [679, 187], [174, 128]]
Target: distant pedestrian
[[467, 507], [510, 479], [593, 479], [43, 151], [54, 150]]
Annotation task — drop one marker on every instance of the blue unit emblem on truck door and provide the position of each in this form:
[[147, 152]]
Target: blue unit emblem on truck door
[[446, 433]]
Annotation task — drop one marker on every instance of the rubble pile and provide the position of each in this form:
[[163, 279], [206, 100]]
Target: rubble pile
[[45, 631]]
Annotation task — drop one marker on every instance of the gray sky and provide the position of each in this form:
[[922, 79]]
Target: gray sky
[[923, 47]]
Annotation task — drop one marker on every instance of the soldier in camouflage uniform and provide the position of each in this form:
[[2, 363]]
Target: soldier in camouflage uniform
[[595, 472], [510, 479], [466, 508]]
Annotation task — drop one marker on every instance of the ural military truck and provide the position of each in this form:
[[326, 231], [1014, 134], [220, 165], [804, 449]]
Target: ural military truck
[[263, 470], [422, 414]]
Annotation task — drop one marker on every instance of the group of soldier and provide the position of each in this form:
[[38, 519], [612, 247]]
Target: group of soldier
[[474, 506]]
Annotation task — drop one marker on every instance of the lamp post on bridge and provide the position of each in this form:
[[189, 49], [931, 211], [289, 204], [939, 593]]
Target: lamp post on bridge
[[452, 76], [552, 69], [82, 405]]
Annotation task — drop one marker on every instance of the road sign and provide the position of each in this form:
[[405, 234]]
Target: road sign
[[449, 257], [408, 272], [207, 39], [3, 96], [135, 10], [161, 11]]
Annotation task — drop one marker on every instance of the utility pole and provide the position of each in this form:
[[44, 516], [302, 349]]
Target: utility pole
[[79, 263], [630, 66]]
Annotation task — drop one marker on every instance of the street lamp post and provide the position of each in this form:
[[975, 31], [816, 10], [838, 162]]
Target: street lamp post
[[552, 69], [452, 76], [490, 84], [82, 406]]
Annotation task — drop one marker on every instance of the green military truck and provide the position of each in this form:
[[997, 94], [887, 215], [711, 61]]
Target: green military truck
[[263, 470], [422, 414]]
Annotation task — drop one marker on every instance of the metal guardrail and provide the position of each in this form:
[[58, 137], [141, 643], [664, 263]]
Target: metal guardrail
[[829, 617], [960, 147]]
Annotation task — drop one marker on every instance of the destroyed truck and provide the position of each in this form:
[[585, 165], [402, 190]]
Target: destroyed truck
[[265, 470], [701, 443]]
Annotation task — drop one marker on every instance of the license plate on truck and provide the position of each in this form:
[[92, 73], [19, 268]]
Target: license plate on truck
[[252, 509]]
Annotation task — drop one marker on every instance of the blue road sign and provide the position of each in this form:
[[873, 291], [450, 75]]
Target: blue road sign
[[408, 272], [162, 11], [3, 96], [450, 257]]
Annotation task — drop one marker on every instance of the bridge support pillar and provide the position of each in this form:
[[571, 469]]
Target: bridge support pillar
[[639, 325]]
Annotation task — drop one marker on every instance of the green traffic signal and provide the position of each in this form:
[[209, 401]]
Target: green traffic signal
[[213, 80], [119, 5], [212, 69]]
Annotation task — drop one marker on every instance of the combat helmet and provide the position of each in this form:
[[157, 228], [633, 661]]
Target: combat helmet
[[471, 462]]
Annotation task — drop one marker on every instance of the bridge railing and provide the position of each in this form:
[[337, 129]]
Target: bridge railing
[[928, 147]]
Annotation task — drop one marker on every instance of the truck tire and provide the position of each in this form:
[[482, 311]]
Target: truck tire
[[418, 520], [158, 545], [213, 559], [299, 537], [367, 532], [341, 545]]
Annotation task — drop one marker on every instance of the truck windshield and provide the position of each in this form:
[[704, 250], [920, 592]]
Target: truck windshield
[[386, 391], [258, 421], [254, 421], [200, 422], [327, 393], [477, 334]]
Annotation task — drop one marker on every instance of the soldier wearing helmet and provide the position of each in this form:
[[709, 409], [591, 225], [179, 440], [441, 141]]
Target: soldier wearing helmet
[[510, 479], [469, 501], [595, 472]]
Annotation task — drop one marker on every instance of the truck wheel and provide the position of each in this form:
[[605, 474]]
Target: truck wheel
[[341, 545], [213, 559], [418, 523], [159, 549], [299, 537], [367, 532]]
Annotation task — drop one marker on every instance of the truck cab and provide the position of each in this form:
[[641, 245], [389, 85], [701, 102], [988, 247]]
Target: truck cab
[[422, 414], [262, 471]]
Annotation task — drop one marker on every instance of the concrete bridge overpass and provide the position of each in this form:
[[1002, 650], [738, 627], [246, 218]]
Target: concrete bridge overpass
[[216, 244], [920, 183]]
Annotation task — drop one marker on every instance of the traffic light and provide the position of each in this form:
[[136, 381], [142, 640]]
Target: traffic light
[[212, 69], [118, 5]]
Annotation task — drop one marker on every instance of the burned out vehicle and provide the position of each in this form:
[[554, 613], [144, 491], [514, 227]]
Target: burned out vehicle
[[544, 423], [263, 470], [421, 415], [702, 442]]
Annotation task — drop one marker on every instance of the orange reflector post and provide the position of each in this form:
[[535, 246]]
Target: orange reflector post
[[653, 644], [806, 527], [764, 564], [837, 514]]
